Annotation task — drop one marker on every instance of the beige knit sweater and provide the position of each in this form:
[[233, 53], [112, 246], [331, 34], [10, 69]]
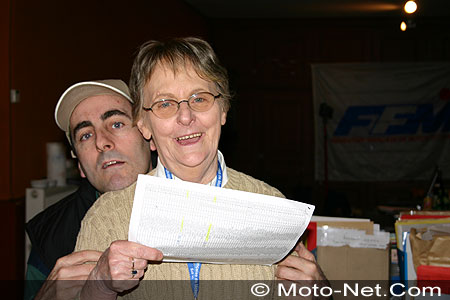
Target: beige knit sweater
[[108, 220]]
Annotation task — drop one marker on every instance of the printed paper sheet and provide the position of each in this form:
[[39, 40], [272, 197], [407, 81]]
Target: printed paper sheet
[[192, 222]]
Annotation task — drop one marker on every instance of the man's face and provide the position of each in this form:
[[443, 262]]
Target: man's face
[[111, 152]]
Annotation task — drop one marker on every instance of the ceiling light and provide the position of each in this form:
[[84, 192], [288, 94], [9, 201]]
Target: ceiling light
[[403, 26], [410, 7]]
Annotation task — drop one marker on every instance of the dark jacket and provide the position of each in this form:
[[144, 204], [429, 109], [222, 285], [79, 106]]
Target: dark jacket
[[53, 232]]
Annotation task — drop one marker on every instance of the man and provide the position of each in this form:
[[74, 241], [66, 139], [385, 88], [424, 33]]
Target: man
[[97, 119]]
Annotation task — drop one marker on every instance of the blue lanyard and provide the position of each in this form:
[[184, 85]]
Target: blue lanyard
[[194, 268], [194, 273]]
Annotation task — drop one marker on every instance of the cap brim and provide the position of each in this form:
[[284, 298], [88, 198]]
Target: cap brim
[[81, 91]]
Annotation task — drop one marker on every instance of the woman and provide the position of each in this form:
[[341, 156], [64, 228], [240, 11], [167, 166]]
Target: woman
[[181, 101]]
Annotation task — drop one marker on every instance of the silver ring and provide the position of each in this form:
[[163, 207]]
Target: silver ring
[[133, 270]]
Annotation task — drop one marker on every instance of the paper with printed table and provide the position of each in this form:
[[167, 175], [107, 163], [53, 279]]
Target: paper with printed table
[[192, 222]]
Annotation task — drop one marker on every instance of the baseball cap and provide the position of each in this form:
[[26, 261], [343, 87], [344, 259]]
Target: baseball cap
[[83, 90]]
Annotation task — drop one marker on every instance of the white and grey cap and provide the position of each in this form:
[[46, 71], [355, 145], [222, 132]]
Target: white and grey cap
[[83, 90]]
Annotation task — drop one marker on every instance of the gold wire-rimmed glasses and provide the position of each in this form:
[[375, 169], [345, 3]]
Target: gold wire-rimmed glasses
[[166, 108]]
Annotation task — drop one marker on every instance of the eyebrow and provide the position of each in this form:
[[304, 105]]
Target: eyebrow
[[80, 126], [114, 112], [172, 96], [103, 117]]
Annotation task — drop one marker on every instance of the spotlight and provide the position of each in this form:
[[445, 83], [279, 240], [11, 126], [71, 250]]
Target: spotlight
[[410, 7], [403, 26]]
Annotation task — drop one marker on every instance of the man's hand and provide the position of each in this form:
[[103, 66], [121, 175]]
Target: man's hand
[[301, 267], [113, 272], [68, 276]]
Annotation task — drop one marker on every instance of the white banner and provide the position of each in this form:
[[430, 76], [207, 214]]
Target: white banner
[[391, 121]]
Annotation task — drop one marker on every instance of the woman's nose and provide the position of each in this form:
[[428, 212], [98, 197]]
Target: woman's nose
[[185, 114]]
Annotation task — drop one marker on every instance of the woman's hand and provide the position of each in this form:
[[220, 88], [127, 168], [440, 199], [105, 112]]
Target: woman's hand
[[301, 267]]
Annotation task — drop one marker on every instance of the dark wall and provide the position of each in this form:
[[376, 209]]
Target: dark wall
[[270, 60], [5, 170], [57, 43]]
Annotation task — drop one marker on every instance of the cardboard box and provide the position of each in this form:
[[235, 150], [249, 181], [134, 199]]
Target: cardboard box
[[346, 263], [357, 265], [363, 267]]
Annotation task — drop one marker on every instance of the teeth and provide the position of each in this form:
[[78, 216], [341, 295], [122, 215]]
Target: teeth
[[113, 162], [189, 136]]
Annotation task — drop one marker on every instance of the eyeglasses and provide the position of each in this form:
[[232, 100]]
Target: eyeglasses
[[166, 108]]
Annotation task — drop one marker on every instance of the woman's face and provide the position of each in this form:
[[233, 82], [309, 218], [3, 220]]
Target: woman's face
[[186, 142]]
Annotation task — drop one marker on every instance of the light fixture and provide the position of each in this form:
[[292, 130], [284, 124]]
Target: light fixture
[[408, 24], [410, 7], [403, 26]]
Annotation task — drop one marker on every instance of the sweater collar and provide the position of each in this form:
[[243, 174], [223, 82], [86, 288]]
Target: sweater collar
[[161, 173]]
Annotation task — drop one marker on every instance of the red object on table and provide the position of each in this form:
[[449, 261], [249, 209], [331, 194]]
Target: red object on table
[[311, 240]]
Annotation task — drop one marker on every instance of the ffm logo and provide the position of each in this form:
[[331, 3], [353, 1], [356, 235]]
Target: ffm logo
[[389, 120]]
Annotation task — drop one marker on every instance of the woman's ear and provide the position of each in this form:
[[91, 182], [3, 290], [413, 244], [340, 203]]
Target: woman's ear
[[152, 145], [143, 129], [223, 118]]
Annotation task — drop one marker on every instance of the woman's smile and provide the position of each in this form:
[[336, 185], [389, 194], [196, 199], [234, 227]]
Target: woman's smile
[[190, 139]]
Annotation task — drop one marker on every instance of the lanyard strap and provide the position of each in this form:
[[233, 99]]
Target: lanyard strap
[[194, 273], [219, 175], [168, 173], [194, 268]]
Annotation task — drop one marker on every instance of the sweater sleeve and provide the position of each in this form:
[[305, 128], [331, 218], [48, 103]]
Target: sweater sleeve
[[106, 221], [34, 279]]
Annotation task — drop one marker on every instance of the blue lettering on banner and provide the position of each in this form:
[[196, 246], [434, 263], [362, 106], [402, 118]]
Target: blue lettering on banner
[[412, 117]]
